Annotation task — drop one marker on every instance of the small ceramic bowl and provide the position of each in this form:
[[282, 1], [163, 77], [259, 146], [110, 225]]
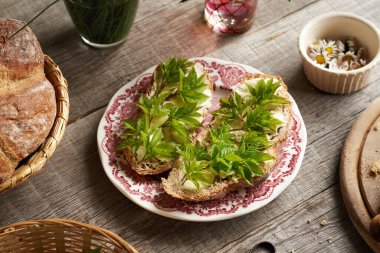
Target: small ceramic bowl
[[339, 26]]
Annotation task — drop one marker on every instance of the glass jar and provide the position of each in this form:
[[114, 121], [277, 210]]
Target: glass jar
[[230, 16], [102, 23]]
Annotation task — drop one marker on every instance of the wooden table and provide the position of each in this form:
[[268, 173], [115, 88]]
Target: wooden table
[[74, 186]]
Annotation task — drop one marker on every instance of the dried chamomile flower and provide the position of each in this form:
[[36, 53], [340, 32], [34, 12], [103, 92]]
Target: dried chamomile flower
[[349, 57], [318, 56], [337, 55], [330, 48]]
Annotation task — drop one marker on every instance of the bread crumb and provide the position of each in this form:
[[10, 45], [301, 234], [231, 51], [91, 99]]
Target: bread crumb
[[376, 128], [377, 150], [375, 170], [329, 239], [308, 221], [324, 223]]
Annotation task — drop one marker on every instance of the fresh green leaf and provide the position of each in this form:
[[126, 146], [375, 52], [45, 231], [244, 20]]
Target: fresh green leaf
[[187, 114], [196, 165], [264, 93], [129, 124], [128, 142], [191, 87], [233, 108], [167, 75], [171, 69], [260, 119], [165, 151], [255, 140], [255, 168], [180, 132]]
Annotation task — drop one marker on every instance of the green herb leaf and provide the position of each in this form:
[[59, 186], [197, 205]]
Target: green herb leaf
[[233, 108], [129, 124], [260, 119], [171, 69], [165, 151], [196, 164], [167, 76], [180, 133], [264, 93], [187, 114], [255, 140], [191, 87]]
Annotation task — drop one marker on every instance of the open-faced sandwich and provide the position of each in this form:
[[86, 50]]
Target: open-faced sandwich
[[171, 109], [238, 148], [241, 145]]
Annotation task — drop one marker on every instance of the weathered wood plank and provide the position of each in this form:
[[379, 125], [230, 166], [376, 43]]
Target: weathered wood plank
[[162, 28], [300, 228]]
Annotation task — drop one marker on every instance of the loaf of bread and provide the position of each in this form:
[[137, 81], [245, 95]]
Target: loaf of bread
[[27, 98]]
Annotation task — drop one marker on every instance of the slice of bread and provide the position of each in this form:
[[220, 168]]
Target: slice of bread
[[174, 184], [158, 167]]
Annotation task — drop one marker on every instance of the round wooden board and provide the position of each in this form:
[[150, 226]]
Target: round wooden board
[[360, 183]]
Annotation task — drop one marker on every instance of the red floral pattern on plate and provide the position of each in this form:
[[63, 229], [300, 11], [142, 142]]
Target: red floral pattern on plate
[[149, 188], [223, 75]]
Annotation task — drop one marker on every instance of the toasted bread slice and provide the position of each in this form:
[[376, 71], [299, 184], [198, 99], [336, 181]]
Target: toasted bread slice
[[174, 184], [158, 167]]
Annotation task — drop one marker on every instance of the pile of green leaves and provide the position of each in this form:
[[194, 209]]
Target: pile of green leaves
[[168, 112], [237, 137]]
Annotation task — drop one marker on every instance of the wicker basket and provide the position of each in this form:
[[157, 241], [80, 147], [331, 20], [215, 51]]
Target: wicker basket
[[42, 236], [36, 161]]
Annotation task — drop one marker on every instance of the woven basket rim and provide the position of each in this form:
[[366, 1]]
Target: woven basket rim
[[117, 240], [37, 159]]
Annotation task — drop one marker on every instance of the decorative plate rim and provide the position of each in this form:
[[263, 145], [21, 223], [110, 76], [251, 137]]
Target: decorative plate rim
[[277, 190]]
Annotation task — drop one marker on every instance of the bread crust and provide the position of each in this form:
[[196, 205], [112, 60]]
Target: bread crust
[[27, 98], [20, 56], [148, 167], [173, 184]]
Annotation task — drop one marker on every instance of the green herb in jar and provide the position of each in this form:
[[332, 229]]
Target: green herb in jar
[[102, 21]]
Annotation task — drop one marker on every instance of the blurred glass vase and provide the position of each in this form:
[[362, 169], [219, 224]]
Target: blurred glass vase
[[102, 23], [230, 16]]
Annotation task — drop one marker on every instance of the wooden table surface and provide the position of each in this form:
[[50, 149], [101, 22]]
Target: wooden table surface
[[73, 185]]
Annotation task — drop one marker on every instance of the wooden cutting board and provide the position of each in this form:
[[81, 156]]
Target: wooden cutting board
[[360, 174]]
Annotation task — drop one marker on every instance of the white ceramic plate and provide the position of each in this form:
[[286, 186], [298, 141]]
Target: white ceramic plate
[[147, 191]]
